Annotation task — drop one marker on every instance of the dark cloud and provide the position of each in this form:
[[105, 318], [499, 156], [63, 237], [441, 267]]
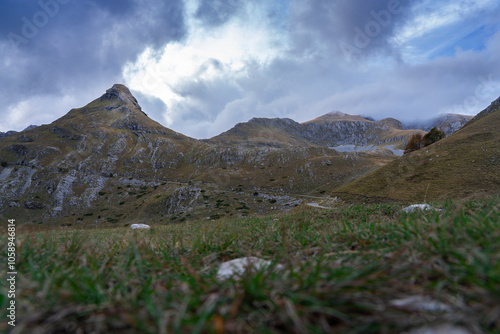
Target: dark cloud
[[356, 28], [332, 55], [217, 12], [51, 46]]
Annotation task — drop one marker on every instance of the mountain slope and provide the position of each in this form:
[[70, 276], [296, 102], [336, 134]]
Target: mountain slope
[[107, 162], [463, 164]]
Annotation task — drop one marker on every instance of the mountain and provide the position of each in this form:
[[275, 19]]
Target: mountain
[[10, 133], [448, 123], [355, 133], [6, 134], [108, 163], [465, 163], [343, 132], [271, 132]]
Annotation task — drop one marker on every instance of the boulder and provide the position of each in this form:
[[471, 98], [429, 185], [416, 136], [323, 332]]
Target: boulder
[[139, 226]]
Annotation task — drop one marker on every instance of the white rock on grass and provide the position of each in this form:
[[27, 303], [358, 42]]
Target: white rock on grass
[[445, 328], [237, 267], [423, 207], [420, 304], [139, 226], [427, 305]]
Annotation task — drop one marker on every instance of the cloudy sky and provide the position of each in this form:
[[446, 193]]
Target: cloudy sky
[[200, 67]]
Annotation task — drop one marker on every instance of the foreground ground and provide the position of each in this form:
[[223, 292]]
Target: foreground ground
[[347, 270]]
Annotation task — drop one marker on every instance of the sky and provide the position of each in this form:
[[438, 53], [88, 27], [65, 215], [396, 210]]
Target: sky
[[200, 67]]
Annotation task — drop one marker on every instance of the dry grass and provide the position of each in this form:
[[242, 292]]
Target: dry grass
[[464, 164]]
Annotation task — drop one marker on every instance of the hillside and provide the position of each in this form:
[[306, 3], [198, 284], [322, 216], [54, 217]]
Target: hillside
[[108, 162], [463, 164], [271, 132]]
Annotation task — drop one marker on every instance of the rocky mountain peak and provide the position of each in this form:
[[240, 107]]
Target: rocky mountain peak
[[121, 93], [336, 113]]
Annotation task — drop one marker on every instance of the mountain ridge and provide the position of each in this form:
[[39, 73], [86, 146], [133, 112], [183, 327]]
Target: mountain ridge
[[109, 161], [103, 156]]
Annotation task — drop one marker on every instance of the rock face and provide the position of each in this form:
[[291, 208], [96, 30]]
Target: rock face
[[448, 123], [332, 130]]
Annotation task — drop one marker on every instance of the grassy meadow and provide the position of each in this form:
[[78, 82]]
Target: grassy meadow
[[344, 270]]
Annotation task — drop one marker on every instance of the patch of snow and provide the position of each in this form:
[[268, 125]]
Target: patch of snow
[[238, 267], [423, 207], [139, 226]]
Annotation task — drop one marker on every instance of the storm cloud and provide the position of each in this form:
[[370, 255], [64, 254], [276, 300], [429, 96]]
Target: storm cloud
[[199, 67]]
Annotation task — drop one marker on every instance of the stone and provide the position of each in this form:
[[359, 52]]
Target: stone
[[445, 328], [423, 207], [33, 205], [237, 267], [139, 226], [420, 304]]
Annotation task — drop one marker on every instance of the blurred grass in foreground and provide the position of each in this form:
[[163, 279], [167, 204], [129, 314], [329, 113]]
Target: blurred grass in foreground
[[343, 269]]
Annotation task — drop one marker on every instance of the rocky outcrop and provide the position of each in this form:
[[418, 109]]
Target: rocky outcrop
[[183, 199], [448, 123], [494, 106]]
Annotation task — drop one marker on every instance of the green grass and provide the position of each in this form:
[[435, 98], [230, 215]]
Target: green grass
[[343, 269]]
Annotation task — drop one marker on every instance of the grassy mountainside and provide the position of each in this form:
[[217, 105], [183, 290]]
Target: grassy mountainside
[[276, 132], [463, 164]]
